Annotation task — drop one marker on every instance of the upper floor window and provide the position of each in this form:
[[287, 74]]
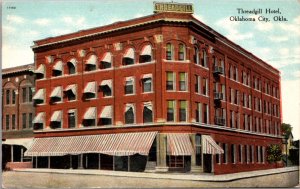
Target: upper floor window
[[90, 90], [39, 97], [24, 120], [204, 58], [146, 54], [129, 114], [30, 90], [182, 110], [106, 87], [129, 85], [39, 121], [197, 83], [72, 118], [13, 100], [24, 94], [147, 112], [147, 83], [7, 121], [182, 81], [181, 52], [170, 85], [89, 117], [7, 96], [128, 58], [30, 120], [106, 61], [72, 66], [91, 63], [56, 119], [40, 72], [196, 56], [13, 121], [71, 92], [56, 94], [169, 51], [57, 69], [106, 115], [171, 110], [204, 86]]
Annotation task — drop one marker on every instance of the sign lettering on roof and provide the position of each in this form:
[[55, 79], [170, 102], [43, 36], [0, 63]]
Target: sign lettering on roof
[[173, 7]]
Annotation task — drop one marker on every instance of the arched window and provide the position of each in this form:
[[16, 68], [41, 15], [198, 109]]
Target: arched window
[[91, 63], [169, 51], [40, 72], [146, 54], [106, 61], [128, 58], [181, 52], [72, 66], [57, 69]]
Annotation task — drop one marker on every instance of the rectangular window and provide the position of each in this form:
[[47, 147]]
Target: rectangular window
[[204, 86], [218, 156], [240, 155], [203, 58], [233, 153], [7, 96], [30, 120], [147, 85], [225, 153], [183, 110], [13, 97], [196, 84], [129, 86], [30, 94], [71, 119], [129, 114], [257, 154], [205, 113], [252, 154], [198, 150], [182, 81], [170, 81], [24, 120], [24, 94], [7, 122], [171, 110], [13, 121], [198, 112]]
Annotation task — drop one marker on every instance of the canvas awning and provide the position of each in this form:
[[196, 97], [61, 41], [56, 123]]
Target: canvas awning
[[56, 92], [121, 144], [106, 112], [106, 83], [90, 113], [92, 60], [129, 53], [147, 76], [71, 88], [39, 118], [73, 61], [148, 105], [26, 142], [90, 87], [58, 66], [39, 95], [107, 57], [147, 50], [56, 116], [40, 69], [179, 144], [128, 106], [210, 146]]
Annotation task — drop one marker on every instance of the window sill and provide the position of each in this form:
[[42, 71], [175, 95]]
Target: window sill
[[129, 94], [176, 61], [206, 68], [150, 92]]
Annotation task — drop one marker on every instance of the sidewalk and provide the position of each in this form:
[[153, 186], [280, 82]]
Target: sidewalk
[[173, 176]]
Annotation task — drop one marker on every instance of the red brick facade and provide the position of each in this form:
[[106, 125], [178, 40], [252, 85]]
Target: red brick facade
[[240, 121]]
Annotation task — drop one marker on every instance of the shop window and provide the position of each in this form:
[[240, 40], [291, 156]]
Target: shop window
[[233, 153], [225, 155], [170, 85], [181, 52], [198, 150], [171, 110]]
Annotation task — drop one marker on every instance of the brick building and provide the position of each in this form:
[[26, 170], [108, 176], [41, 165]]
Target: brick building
[[17, 114], [163, 91]]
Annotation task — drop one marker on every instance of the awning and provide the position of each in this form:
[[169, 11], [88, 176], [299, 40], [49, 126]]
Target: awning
[[128, 106], [129, 78], [73, 61], [147, 50], [56, 116], [40, 69], [210, 146], [179, 144], [148, 105], [107, 57], [90, 87], [147, 76], [121, 144], [106, 112], [92, 60], [26, 142], [129, 53], [58, 66], [90, 113], [39, 118], [56, 92], [39, 95], [71, 88], [106, 82]]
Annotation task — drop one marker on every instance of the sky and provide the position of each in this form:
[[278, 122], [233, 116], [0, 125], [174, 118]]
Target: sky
[[276, 42]]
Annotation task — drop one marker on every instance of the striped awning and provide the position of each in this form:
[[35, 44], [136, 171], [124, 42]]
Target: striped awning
[[90, 87], [106, 57], [26, 142], [39, 95], [56, 116], [106, 112], [39, 118], [147, 76], [73, 61], [121, 144], [92, 60], [179, 144], [129, 53], [210, 146], [147, 50], [56, 92], [106, 83], [148, 105], [71, 88], [90, 113], [58, 66], [40, 69]]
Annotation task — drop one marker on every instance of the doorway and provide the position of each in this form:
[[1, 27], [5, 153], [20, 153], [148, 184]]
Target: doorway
[[207, 165]]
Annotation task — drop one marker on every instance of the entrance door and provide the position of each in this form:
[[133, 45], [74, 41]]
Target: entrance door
[[207, 168]]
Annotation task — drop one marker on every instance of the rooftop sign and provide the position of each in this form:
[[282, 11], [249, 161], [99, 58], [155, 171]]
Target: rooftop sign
[[173, 7]]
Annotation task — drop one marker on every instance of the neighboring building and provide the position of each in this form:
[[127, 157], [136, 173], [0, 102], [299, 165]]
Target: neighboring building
[[17, 115], [288, 145], [163, 91]]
